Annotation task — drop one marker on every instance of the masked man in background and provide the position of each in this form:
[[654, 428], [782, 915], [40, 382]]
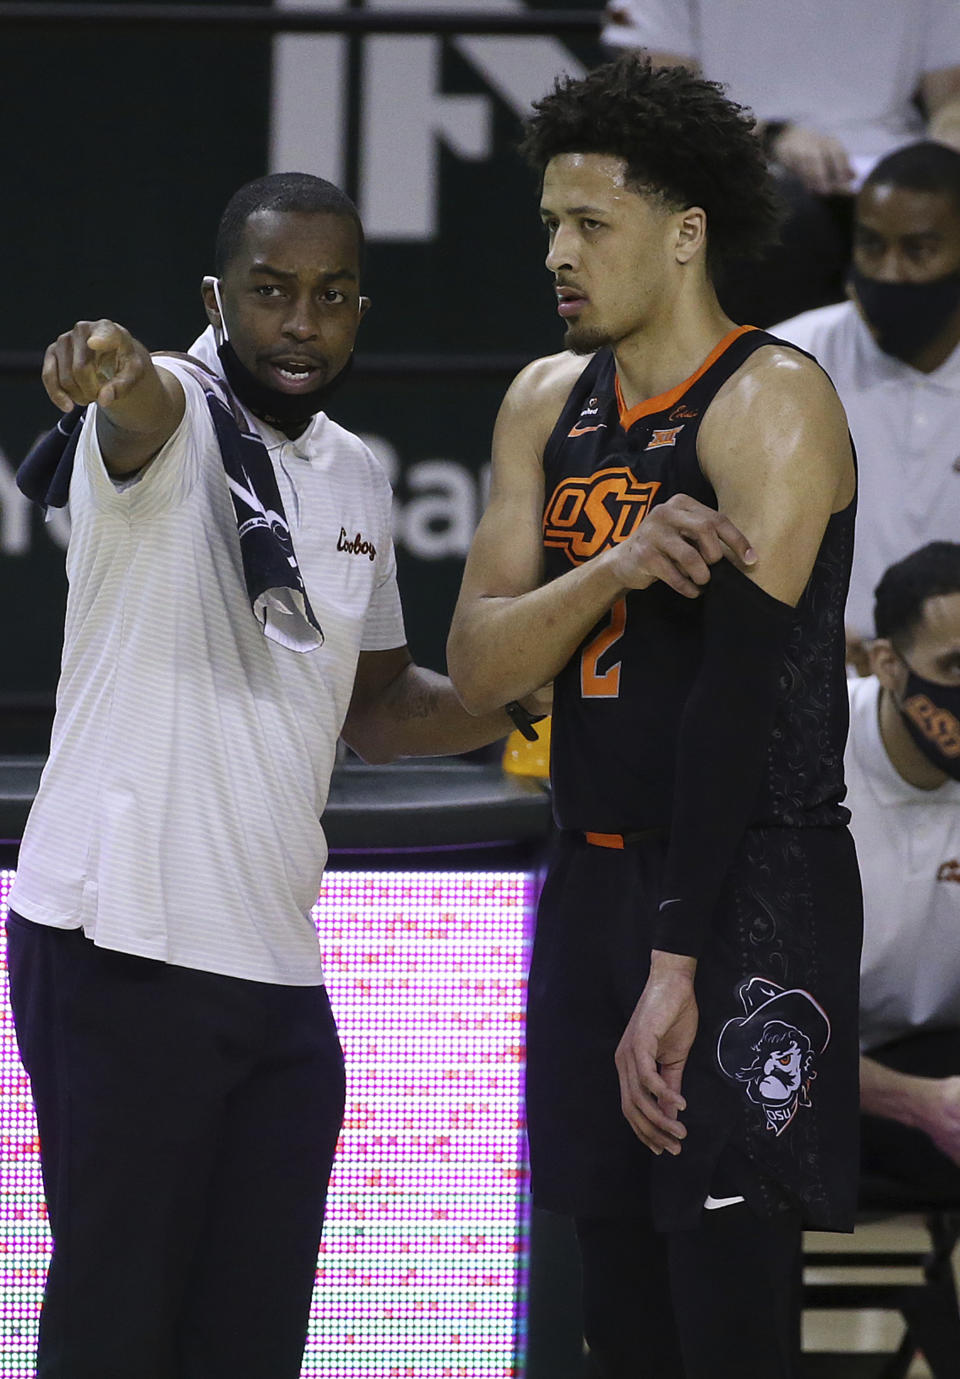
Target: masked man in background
[[902, 769], [892, 352]]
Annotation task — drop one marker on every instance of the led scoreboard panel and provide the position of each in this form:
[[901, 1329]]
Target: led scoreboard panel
[[421, 1273]]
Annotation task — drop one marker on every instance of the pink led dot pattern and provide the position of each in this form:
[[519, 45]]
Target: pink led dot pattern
[[422, 1270]]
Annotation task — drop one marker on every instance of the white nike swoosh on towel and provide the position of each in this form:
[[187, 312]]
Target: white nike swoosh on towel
[[712, 1203]]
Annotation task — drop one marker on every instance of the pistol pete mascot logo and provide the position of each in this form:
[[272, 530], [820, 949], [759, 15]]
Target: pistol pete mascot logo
[[772, 1049]]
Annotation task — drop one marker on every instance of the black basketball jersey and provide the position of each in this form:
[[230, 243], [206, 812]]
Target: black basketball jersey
[[619, 700]]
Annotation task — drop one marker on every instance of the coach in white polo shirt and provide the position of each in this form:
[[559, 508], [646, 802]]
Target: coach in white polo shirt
[[894, 355], [902, 768], [165, 973]]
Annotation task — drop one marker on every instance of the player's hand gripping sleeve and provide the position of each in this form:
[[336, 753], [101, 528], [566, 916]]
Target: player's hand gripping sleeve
[[725, 735]]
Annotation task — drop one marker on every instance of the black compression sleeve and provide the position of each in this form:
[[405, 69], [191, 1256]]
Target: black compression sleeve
[[724, 738]]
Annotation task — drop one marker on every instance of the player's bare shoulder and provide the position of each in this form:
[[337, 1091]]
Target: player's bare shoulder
[[773, 380], [548, 380], [535, 399], [777, 405]]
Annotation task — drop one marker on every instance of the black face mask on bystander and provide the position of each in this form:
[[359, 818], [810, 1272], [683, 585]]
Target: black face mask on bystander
[[276, 408], [931, 713], [906, 317]]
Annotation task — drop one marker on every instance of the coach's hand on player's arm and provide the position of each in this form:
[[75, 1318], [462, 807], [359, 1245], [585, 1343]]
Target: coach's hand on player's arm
[[652, 1054], [676, 543], [138, 406]]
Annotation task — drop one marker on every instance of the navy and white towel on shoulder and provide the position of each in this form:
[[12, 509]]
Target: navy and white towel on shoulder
[[275, 586], [44, 476], [274, 583]]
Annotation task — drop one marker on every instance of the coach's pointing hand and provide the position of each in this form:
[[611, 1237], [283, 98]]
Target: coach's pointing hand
[[138, 406], [96, 361]]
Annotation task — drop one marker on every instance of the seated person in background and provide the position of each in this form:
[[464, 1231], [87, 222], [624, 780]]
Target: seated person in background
[[902, 768], [834, 90], [893, 354]]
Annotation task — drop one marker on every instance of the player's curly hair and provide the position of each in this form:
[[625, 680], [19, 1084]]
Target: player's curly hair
[[681, 139]]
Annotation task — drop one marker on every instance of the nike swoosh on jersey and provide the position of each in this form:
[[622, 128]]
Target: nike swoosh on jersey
[[582, 430], [712, 1203]]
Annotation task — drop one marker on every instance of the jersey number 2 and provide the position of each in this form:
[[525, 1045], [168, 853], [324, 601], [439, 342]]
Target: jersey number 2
[[596, 684]]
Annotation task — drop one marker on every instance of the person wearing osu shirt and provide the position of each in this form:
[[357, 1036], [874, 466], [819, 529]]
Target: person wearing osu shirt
[[692, 1017], [903, 774]]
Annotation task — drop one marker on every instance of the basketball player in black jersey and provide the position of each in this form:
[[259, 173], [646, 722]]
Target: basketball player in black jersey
[[692, 1040]]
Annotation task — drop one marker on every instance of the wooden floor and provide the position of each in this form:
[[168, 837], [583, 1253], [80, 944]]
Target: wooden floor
[[868, 1335]]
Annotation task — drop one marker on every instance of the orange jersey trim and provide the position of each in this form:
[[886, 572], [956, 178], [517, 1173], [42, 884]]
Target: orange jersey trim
[[628, 415], [605, 840]]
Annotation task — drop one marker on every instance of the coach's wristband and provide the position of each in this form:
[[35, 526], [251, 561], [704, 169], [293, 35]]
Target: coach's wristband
[[523, 720]]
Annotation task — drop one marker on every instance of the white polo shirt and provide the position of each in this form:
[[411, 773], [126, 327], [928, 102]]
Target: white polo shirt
[[908, 843], [906, 428], [849, 69], [178, 816]]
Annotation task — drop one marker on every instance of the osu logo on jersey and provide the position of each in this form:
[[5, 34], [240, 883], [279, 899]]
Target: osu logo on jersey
[[589, 515]]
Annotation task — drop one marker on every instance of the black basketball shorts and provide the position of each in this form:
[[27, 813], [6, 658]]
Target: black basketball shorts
[[772, 1077]]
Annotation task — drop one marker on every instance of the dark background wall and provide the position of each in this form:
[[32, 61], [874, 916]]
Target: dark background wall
[[120, 149]]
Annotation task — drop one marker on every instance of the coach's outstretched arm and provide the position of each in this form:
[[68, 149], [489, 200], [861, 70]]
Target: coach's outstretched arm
[[512, 633], [138, 405]]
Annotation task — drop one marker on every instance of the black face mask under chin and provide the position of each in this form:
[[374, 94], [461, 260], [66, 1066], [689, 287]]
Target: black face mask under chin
[[906, 317], [931, 713], [276, 408]]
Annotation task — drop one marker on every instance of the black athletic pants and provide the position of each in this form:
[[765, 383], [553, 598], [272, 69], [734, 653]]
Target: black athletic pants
[[720, 1302], [188, 1123]]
